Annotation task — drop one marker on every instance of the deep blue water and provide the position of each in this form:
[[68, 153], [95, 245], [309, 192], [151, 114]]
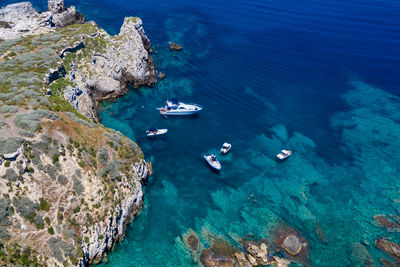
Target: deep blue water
[[318, 77]]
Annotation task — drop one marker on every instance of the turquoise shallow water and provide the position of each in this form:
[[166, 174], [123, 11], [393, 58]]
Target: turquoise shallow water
[[320, 78]]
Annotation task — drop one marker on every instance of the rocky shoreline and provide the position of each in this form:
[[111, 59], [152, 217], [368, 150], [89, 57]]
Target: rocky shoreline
[[88, 178]]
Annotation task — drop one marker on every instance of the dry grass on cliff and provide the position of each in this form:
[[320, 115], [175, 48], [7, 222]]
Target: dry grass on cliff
[[67, 128]]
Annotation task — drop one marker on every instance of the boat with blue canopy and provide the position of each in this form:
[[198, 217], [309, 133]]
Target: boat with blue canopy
[[154, 131], [213, 161]]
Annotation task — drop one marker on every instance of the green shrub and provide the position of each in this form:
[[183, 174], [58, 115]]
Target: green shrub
[[5, 211], [62, 179], [11, 175], [51, 171], [76, 209], [10, 145], [39, 222], [24, 206], [8, 109], [60, 217], [50, 230], [26, 133], [31, 121], [55, 158], [43, 204], [7, 163], [77, 185], [102, 155]]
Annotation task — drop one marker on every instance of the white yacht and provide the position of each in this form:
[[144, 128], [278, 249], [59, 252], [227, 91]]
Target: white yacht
[[213, 162], [154, 131], [174, 107]]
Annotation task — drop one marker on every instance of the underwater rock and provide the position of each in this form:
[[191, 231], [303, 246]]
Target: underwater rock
[[386, 263], [293, 243], [321, 235], [175, 46], [281, 262], [391, 248], [388, 223], [192, 241], [161, 75], [209, 259], [361, 255]]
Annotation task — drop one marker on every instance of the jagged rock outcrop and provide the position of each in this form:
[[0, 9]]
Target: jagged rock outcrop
[[56, 6], [119, 60], [23, 19], [67, 17]]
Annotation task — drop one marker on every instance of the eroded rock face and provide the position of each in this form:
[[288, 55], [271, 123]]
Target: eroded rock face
[[56, 6], [23, 19], [123, 60], [104, 236], [67, 17]]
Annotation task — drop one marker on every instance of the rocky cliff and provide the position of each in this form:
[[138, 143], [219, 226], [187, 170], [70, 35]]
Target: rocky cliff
[[68, 185]]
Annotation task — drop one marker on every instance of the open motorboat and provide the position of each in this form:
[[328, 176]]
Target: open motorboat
[[284, 154], [213, 162], [154, 131], [174, 107], [225, 148]]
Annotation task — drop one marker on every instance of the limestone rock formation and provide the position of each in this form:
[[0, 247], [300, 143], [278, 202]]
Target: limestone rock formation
[[56, 6], [67, 17], [257, 253], [23, 19], [110, 64]]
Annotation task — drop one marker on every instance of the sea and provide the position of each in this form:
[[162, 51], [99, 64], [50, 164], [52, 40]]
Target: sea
[[318, 77]]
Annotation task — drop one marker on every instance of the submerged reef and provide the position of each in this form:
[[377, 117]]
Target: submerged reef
[[308, 210], [69, 186]]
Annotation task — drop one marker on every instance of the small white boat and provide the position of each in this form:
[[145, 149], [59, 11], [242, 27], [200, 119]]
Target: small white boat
[[213, 161], [284, 154], [225, 148], [154, 131], [174, 107]]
